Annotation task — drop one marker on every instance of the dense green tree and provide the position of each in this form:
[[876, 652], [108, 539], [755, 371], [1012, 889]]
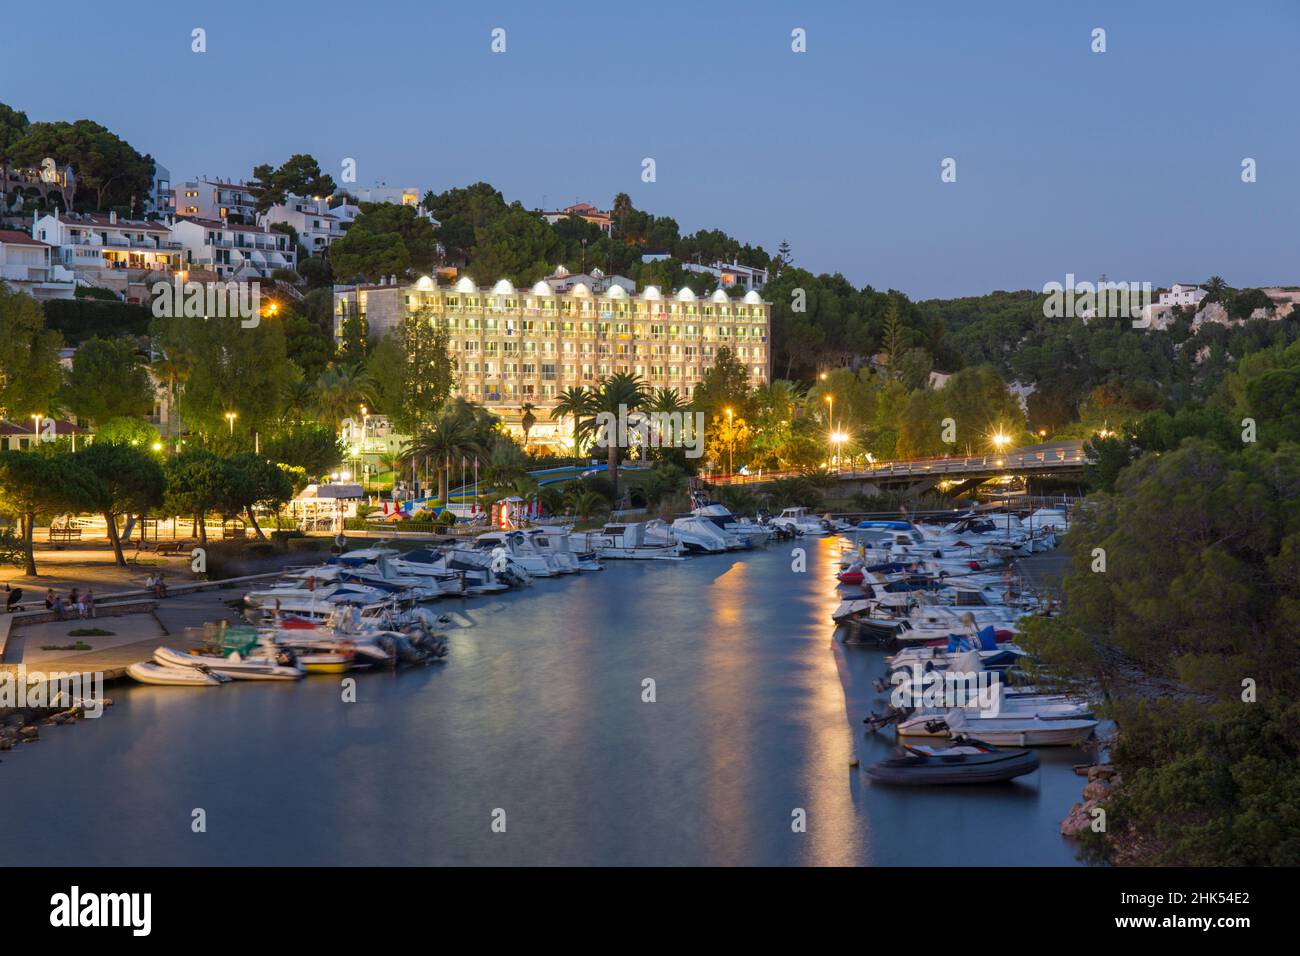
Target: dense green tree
[[34, 485], [231, 368], [254, 482], [392, 219], [413, 371], [108, 380], [312, 447], [133, 480], [29, 357], [110, 173], [299, 175], [197, 483], [369, 256]]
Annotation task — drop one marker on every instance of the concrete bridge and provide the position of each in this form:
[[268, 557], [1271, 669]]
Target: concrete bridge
[[917, 475]]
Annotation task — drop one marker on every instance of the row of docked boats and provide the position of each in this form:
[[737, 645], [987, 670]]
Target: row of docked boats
[[366, 607], [948, 603]]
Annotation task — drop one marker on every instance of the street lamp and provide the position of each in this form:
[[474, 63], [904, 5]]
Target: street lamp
[[230, 417], [36, 428], [731, 437]]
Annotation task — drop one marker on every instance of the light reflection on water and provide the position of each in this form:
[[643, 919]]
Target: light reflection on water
[[539, 712]]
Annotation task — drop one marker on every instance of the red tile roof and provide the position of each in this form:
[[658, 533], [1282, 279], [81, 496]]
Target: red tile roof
[[61, 427], [16, 238]]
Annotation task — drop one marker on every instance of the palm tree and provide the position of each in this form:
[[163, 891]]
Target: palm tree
[[667, 402], [576, 403], [299, 399], [342, 390], [449, 438], [617, 396], [1216, 289], [528, 421], [587, 503]]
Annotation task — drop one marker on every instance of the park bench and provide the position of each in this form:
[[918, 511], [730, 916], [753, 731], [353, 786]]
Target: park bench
[[65, 535], [181, 546]]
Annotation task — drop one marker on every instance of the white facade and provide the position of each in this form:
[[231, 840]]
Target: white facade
[[100, 243], [731, 273], [315, 222], [27, 264], [382, 192], [562, 280], [1183, 295], [216, 199], [234, 251]]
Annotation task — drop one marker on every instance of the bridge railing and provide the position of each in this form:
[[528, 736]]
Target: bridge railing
[[1053, 458]]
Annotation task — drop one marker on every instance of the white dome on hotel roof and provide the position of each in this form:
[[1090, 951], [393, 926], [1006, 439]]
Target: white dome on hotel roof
[[580, 288], [616, 291], [651, 293], [753, 298], [466, 284], [543, 289], [425, 284], [719, 296], [503, 287], [685, 294]]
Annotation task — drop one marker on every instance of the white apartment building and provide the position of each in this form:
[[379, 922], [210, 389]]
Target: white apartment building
[[124, 255], [315, 222], [731, 273], [515, 346], [234, 252], [382, 192], [205, 198], [562, 280], [28, 265]]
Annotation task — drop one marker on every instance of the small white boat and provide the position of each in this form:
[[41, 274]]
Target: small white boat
[[148, 672], [234, 667]]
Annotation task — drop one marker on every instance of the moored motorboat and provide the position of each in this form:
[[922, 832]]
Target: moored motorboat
[[971, 761]]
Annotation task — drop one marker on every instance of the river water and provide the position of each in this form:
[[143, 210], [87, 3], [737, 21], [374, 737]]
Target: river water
[[537, 720]]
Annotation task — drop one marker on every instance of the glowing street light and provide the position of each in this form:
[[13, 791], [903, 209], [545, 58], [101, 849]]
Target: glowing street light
[[731, 437], [1001, 440], [230, 417]]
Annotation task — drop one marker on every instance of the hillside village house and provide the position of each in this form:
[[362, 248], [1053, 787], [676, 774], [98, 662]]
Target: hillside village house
[[205, 198], [101, 249], [729, 274], [1182, 294], [584, 211], [234, 252], [27, 264], [316, 224], [515, 346], [18, 436]]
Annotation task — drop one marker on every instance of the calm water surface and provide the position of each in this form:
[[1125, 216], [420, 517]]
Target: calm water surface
[[538, 712]]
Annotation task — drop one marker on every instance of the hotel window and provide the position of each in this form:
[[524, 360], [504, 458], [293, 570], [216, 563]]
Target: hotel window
[[548, 371]]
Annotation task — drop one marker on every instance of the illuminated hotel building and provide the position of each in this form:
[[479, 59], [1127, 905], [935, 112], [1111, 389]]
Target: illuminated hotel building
[[513, 346]]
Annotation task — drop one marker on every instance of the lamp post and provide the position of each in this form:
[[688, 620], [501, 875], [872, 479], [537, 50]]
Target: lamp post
[[731, 437], [230, 417], [36, 428], [830, 423]]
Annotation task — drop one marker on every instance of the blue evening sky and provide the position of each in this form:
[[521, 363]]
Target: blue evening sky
[[1127, 162]]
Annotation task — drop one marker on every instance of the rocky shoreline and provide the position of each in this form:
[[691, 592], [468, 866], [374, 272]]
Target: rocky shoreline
[[22, 725]]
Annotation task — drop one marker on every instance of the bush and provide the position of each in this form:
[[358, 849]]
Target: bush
[[80, 319]]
